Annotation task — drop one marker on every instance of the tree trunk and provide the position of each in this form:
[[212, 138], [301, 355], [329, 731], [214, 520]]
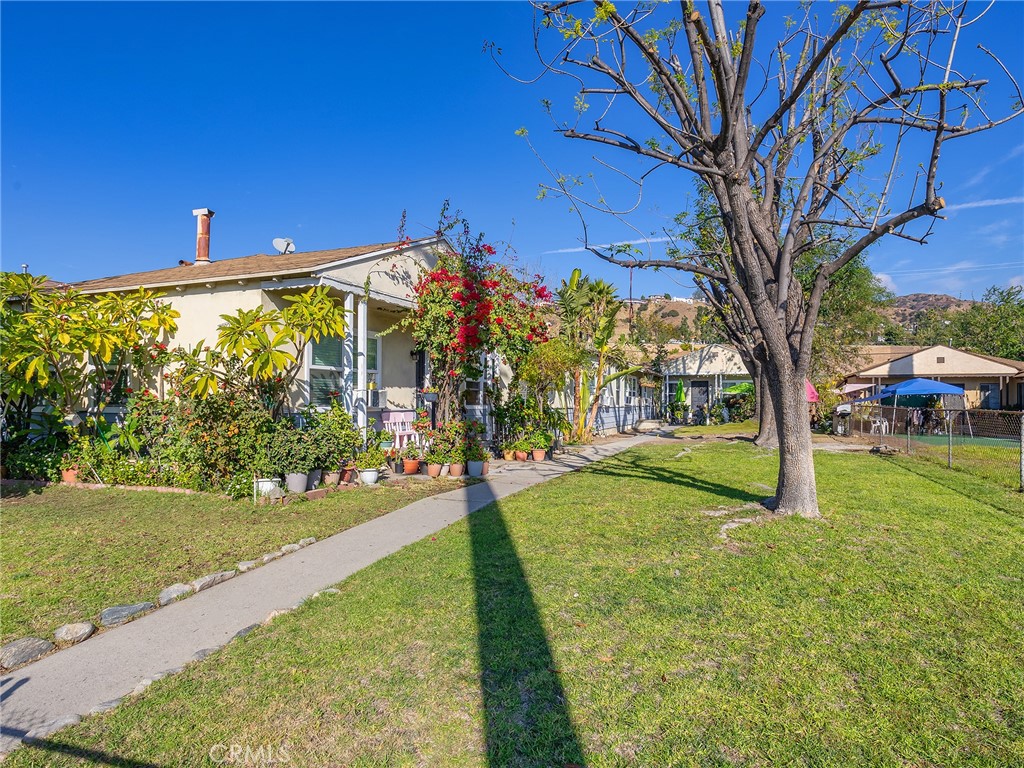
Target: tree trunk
[[767, 427], [797, 492]]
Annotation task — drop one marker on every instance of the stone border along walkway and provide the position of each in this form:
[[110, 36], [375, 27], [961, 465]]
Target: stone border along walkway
[[58, 690], [25, 650]]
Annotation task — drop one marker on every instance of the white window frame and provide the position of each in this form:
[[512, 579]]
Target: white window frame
[[632, 387], [374, 374], [311, 366]]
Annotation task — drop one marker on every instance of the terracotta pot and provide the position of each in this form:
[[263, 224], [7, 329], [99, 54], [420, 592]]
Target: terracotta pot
[[434, 470], [521, 455], [348, 474], [508, 455], [69, 475], [456, 470], [539, 454], [487, 467], [332, 478], [411, 466]]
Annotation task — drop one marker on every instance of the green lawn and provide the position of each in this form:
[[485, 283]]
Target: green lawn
[[997, 461], [748, 427], [599, 620], [69, 553]]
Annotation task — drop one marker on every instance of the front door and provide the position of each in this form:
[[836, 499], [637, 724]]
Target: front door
[[699, 394]]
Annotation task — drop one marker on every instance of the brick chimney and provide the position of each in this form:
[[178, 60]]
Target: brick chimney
[[203, 235]]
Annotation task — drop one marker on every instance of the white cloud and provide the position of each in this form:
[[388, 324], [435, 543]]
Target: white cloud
[[581, 249], [995, 228], [1015, 151], [1017, 280], [985, 203], [978, 177], [887, 281]]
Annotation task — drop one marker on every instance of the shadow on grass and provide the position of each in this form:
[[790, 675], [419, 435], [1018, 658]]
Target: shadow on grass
[[632, 465], [526, 715], [89, 756], [977, 489], [15, 489]]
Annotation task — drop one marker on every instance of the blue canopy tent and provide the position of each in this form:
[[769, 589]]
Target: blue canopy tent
[[913, 388], [910, 387]]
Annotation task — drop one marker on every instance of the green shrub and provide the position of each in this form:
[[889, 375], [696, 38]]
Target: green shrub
[[34, 460]]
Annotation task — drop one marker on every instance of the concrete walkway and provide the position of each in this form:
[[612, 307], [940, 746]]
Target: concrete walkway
[[55, 691]]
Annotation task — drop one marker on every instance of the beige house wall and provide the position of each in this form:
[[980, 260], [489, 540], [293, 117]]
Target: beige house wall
[[202, 306], [952, 366], [390, 276]]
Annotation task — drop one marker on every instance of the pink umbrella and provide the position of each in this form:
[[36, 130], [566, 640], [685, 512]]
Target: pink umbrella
[[812, 393]]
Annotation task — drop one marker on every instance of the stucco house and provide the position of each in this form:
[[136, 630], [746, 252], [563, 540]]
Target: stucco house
[[377, 376], [624, 402], [989, 382], [374, 374], [703, 374]]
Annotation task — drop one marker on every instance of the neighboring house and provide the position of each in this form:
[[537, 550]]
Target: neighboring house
[[624, 403], [374, 374], [988, 382], [703, 374]]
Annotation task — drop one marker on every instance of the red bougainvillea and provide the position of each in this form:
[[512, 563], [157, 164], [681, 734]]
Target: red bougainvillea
[[468, 304]]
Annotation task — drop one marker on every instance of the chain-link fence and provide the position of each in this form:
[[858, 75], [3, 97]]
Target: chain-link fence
[[989, 444]]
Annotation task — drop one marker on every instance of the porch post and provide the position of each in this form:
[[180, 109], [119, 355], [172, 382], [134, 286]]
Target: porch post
[[362, 396], [347, 357]]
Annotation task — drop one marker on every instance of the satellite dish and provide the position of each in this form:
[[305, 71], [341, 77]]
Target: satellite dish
[[284, 245]]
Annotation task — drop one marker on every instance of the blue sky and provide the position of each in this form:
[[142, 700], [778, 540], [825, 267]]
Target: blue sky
[[323, 121]]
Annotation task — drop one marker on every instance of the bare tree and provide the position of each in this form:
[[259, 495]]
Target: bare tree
[[800, 142]]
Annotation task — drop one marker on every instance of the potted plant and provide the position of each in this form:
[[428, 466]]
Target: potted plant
[[435, 460], [540, 441], [411, 459], [69, 467], [295, 451], [265, 466], [476, 460], [336, 437], [457, 461], [75, 458], [522, 448], [394, 460], [386, 439], [369, 463], [508, 450]]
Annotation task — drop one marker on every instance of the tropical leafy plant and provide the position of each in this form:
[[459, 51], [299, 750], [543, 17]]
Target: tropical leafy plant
[[269, 344], [61, 346], [587, 313]]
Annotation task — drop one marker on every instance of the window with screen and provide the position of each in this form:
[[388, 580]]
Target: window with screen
[[326, 370]]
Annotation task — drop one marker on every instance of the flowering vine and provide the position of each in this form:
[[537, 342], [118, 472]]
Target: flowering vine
[[469, 303]]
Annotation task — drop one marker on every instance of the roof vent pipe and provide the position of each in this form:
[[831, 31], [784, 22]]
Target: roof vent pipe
[[203, 235]]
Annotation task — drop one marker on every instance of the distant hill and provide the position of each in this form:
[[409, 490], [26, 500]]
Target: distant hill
[[906, 309], [670, 311]]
